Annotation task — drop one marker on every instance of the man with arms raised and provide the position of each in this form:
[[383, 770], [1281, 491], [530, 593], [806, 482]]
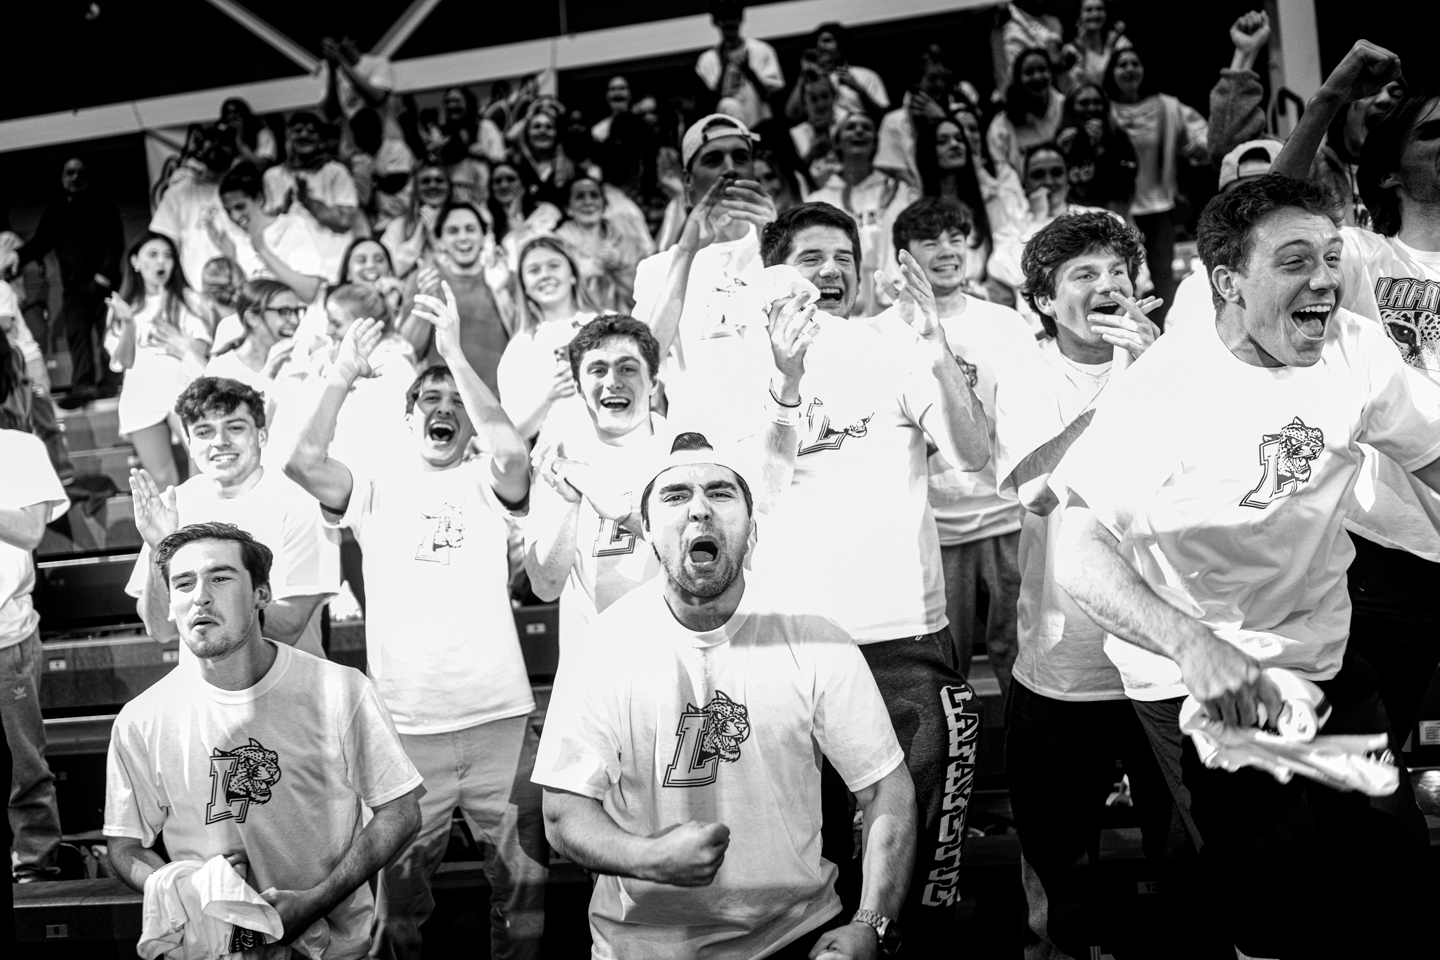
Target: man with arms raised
[[1203, 531], [979, 531], [680, 758], [700, 296], [225, 427], [583, 538], [258, 752], [858, 412], [440, 636], [1067, 718]]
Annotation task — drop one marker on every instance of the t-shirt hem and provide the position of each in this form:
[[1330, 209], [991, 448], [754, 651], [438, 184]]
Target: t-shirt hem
[[1097, 696], [808, 926], [386, 797], [560, 783], [1354, 526], [900, 632], [985, 533], [884, 770], [409, 730], [110, 830]]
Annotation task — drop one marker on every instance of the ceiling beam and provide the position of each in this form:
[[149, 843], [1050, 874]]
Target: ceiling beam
[[304, 58], [401, 29]]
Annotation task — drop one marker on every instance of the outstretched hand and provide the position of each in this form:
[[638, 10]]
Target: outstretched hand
[[792, 330], [914, 298], [443, 315], [700, 228], [156, 516], [352, 360]]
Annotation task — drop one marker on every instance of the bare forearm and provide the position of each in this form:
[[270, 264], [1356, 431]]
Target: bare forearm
[[580, 829], [1112, 593], [309, 462], [286, 619], [1030, 475], [23, 527], [497, 434], [1304, 141], [131, 862], [550, 553], [781, 444], [394, 824], [305, 287], [339, 219], [963, 417], [889, 842], [665, 323]]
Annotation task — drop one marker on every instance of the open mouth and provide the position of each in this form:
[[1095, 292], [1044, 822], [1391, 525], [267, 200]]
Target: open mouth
[[831, 292], [441, 432], [704, 550], [615, 404], [224, 458], [1109, 308], [1311, 320], [203, 621]]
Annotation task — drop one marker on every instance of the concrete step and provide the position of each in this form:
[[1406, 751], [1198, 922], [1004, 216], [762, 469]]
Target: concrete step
[[94, 426], [112, 462]]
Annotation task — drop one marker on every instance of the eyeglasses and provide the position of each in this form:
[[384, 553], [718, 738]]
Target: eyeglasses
[[287, 313]]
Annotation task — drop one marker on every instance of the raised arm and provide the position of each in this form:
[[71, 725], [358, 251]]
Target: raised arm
[[888, 839], [1090, 568], [310, 464], [306, 287], [1365, 71], [550, 531], [684, 855], [392, 825], [155, 518], [510, 457], [792, 330], [958, 427], [698, 232]]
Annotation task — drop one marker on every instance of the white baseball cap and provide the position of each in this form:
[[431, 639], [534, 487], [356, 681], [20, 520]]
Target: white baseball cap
[[713, 127], [1232, 169]]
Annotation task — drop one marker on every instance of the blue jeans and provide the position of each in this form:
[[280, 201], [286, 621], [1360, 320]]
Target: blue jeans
[[484, 771], [34, 818]]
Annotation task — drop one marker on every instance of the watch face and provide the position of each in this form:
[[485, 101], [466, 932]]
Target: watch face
[[890, 942]]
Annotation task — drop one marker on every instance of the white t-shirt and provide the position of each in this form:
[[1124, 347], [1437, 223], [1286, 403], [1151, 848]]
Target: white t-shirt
[[1227, 484], [1062, 654], [735, 89], [609, 561], [27, 478], [967, 506], [527, 368], [229, 365], [664, 726], [296, 241], [1399, 288], [280, 515], [277, 772], [1193, 307], [868, 80], [331, 184], [854, 535], [377, 71], [16, 330], [440, 636], [183, 211], [717, 373]]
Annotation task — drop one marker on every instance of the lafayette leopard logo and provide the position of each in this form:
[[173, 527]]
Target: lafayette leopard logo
[[819, 435], [445, 531], [239, 778], [969, 369], [707, 735], [1410, 315], [1285, 457]]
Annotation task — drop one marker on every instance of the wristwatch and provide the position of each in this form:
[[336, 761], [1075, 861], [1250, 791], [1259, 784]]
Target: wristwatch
[[885, 929]]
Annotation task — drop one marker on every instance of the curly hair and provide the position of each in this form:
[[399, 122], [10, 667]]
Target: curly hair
[[610, 325], [218, 395], [1066, 238], [1226, 233]]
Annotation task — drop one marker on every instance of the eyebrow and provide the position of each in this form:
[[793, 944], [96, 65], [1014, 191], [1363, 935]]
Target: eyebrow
[[219, 568]]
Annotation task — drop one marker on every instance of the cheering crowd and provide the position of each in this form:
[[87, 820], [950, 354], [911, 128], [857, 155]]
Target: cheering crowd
[[790, 415]]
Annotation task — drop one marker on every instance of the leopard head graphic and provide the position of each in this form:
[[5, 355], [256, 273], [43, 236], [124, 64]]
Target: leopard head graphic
[[256, 772], [1299, 445], [727, 726], [1416, 333]]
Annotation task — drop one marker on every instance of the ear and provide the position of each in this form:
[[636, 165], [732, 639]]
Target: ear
[[264, 435], [1045, 305], [263, 596], [1226, 281], [1389, 180]]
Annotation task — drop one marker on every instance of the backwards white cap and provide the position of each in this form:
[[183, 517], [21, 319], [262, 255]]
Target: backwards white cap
[[713, 127]]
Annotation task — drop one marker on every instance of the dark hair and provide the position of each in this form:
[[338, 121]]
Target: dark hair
[[250, 125], [1068, 237], [367, 130], [1226, 233], [836, 30], [132, 290], [345, 258], [255, 556], [1049, 146], [12, 386], [779, 235], [1018, 100], [1070, 119], [255, 296], [436, 371], [726, 9], [692, 441], [244, 178], [781, 169], [1108, 85], [454, 206], [1380, 157], [967, 181], [581, 178], [609, 326], [927, 218], [218, 395]]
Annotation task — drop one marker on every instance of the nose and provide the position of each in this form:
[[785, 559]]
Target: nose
[[700, 506], [1325, 278], [830, 269]]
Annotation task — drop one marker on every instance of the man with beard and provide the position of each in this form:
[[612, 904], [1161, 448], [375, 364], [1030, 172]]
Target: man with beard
[[699, 297], [721, 681], [225, 428], [1203, 531], [315, 187], [440, 637], [257, 752], [861, 410]]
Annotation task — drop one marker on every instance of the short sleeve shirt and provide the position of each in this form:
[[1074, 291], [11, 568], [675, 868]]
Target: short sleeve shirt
[[277, 772], [1227, 484], [664, 725], [26, 479]]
